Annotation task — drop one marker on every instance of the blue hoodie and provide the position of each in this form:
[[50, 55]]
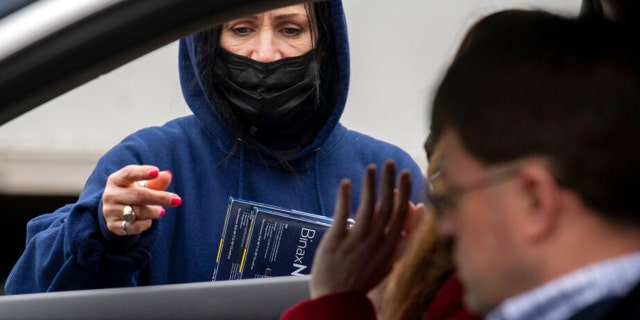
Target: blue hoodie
[[72, 249]]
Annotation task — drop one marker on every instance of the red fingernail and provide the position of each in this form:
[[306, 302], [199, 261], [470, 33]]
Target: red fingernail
[[154, 173], [162, 212], [176, 201]]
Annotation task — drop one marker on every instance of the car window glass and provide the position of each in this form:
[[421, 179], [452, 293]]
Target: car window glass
[[51, 150], [394, 66]]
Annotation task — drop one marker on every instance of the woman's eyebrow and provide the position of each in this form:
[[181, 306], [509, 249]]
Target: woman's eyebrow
[[255, 17], [287, 16]]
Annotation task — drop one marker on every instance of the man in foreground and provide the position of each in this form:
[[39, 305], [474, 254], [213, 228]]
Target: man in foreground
[[539, 120], [541, 128]]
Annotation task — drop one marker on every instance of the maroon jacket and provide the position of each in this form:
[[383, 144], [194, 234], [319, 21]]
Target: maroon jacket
[[447, 304]]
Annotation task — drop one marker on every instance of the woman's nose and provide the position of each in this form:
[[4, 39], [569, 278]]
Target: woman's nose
[[266, 49]]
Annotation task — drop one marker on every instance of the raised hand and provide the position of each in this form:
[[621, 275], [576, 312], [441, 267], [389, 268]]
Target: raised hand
[[357, 259]]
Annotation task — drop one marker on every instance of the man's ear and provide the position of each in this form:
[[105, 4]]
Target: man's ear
[[542, 201]]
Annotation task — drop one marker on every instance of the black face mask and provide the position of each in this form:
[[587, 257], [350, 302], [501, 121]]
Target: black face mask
[[276, 98]]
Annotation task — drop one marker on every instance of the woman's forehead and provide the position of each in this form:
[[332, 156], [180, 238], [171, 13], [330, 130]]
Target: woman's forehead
[[295, 9], [298, 10]]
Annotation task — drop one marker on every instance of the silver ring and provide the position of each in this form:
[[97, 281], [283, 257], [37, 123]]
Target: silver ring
[[128, 214], [124, 228]]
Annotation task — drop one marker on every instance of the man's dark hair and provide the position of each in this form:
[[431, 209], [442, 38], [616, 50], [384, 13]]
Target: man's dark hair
[[529, 83]]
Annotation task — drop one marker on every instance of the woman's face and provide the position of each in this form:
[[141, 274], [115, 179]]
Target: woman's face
[[269, 36]]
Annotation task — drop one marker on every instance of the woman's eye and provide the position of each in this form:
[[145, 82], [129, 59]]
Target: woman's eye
[[291, 31], [241, 31]]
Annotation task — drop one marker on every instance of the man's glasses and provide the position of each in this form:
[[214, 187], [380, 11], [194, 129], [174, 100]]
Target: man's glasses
[[447, 201]]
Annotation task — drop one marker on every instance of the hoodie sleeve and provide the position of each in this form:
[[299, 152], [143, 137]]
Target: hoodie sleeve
[[71, 249]]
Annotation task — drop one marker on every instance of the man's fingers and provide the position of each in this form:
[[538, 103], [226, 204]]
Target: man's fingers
[[387, 197], [416, 214], [401, 207], [366, 209], [342, 209]]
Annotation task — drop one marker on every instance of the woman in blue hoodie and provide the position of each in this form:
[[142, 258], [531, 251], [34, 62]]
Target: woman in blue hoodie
[[267, 92]]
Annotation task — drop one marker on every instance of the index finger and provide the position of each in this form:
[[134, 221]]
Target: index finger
[[132, 173], [401, 207], [342, 209]]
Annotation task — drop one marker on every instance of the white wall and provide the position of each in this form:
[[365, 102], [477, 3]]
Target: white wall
[[399, 50]]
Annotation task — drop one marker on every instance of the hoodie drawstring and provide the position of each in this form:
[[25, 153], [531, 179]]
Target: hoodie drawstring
[[241, 174], [317, 181]]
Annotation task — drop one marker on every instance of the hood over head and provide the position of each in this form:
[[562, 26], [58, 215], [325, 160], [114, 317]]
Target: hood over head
[[196, 63]]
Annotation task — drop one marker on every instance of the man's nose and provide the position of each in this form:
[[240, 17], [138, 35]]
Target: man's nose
[[266, 49]]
